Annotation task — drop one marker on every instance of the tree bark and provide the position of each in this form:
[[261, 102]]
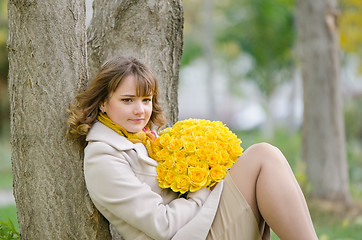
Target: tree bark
[[149, 30], [47, 66], [324, 147]]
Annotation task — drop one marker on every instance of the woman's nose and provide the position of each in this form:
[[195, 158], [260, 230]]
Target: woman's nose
[[139, 108]]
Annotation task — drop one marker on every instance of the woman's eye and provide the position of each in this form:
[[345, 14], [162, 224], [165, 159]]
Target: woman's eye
[[126, 100], [147, 100]]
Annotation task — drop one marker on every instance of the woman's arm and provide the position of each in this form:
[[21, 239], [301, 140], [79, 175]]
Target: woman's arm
[[118, 193]]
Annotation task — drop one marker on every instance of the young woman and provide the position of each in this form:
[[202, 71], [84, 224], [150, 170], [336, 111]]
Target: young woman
[[114, 119]]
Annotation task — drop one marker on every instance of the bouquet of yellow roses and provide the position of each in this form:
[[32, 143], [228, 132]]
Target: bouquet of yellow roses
[[194, 153]]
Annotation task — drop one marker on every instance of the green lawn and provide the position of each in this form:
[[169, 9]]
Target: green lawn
[[334, 222], [6, 177], [9, 212]]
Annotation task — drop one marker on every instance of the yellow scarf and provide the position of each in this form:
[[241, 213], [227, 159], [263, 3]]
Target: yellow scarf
[[145, 137]]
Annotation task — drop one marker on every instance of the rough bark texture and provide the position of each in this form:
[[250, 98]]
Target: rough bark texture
[[47, 58], [323, 128], [149, 30]]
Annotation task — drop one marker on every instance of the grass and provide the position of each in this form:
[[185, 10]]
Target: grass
[[334, 223], [6, 176], [9, 212], [6, 182]]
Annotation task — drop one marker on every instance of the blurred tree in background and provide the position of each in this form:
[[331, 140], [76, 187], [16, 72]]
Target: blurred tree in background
[[4, 102], [324, 143]]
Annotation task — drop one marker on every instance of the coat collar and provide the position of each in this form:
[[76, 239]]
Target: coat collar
[[101, 133]]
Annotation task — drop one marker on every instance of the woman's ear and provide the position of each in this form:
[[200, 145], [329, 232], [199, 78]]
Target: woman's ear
[[102, 107]]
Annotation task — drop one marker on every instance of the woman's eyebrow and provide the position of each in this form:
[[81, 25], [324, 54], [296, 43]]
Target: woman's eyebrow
[[127, 95]]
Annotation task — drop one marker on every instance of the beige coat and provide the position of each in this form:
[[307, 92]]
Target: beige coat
[[121, 180]]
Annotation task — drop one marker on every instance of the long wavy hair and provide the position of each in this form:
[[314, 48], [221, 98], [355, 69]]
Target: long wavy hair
[[84, 112]]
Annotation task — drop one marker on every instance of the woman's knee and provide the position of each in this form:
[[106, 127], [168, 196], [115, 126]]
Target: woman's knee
[[264, 153], [261, 147]]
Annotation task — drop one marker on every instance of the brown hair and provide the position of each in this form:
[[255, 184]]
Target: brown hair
[[84, 112]]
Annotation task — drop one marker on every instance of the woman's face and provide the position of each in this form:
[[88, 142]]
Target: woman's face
[[126, 109]]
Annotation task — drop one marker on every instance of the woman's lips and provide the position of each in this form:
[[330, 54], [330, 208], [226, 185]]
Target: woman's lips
[[137, 120]]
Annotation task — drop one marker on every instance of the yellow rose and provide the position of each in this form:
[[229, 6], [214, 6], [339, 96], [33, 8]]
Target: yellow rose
[[192, 160], [187, 131], [179, 155], [161, 172], [201, 153], [178, 124], [165, 140], [224, 156], [223, 136], [162, 155], [218, 124], [217, 173], [223, 145], [181, 167], [198, 176], [211, 147], [187, 138], [235, 149], [200, 141], [197, 132], [203, 164], [156, 144], [175, 145], [164, 131], [194, 189], [169, 179], [229, 163], [169, 163], [210, 136], [175, 132], [213, 159], [181, 184], [190, 147]]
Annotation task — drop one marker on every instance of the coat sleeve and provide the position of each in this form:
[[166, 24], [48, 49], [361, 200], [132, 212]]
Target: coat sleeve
[[117, 192]]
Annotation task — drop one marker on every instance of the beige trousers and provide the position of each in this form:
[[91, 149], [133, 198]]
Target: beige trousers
[[234, 218]]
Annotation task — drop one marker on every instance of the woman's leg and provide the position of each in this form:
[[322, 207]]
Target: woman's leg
[[267, 182]]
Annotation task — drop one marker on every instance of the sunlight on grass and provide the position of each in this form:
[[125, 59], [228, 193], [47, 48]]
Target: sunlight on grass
[[336, 222]]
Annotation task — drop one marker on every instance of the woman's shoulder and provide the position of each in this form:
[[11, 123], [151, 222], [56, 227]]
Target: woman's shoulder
[[102, 134]]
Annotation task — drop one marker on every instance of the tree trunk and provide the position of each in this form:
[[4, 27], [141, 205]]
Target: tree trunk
[[149, 30], [47, 66], [323, 129]]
